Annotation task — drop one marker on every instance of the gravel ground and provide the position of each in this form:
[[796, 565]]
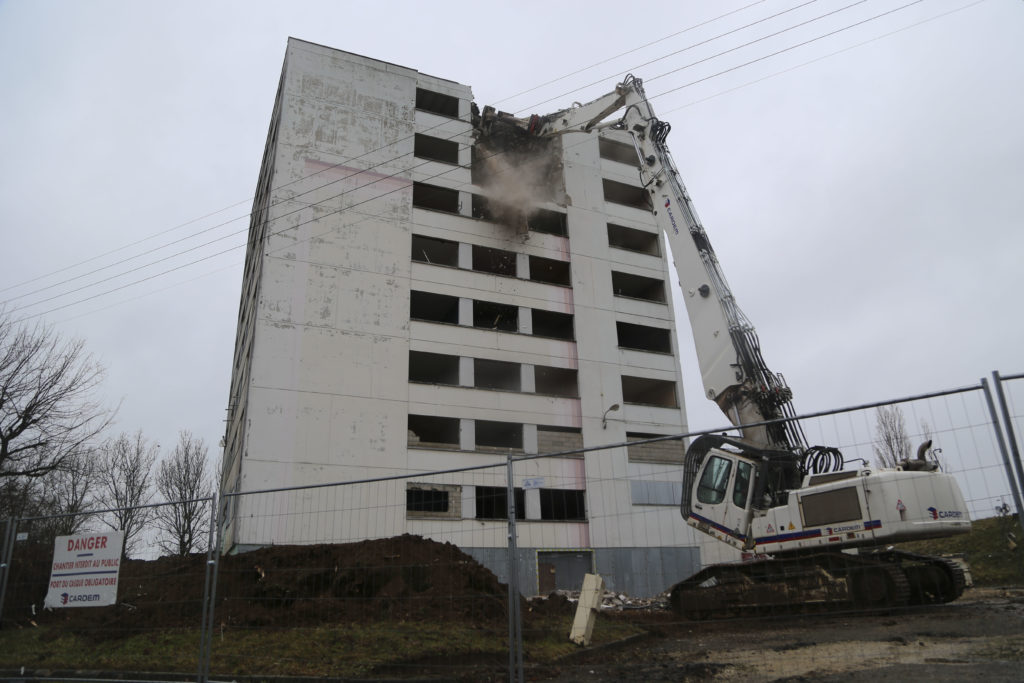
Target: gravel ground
[[980, 636]]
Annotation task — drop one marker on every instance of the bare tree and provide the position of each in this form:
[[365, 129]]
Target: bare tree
[[184, 477], [68, 494], [47, 409], [125, 483], [891, 442]]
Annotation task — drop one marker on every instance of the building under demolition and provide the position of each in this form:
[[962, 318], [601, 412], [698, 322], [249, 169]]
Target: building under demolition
[[427, 289]]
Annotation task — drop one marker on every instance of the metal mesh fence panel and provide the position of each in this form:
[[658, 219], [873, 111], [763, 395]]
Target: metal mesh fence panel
[[369, 579], [409, 574], [153, 624], [636, 539]]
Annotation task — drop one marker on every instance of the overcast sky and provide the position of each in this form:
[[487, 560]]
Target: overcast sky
[[863, 189]]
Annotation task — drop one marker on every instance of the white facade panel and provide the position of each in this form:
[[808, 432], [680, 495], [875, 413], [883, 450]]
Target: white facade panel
[[322, 390]]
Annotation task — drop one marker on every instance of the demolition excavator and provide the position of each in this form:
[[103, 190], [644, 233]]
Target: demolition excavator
[[813, 532]]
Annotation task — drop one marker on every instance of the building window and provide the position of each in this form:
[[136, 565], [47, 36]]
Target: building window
[[555, 381], [491, 316], [492, 502], [435, 198], [550, 271], [546, 221], [436, 251], [668, 451], [667, 493], [437, 103], [613, 150], [563, 505], [436, 149], [552, 439], [496, 374], [496, 261], [644, 337], [651, 392], [431, 431], [551, 324], [433, 501], [500, 435], [631, 239], [435, 308], [433, 368], [638, 287], [627, 195]]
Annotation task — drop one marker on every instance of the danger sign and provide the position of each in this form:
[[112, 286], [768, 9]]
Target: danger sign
[[85, 570]]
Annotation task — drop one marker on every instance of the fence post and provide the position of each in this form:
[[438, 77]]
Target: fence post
[[515, 624], [206, 624], [6, 555], [1002, 449], [212, 565], [1008, 426]]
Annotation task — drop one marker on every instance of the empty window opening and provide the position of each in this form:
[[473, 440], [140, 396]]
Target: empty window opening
[[437, 103], [436, 308], [435, 198], [492, 316], [497, 261], [482, 207], [563, 504], [492, 502], [555, 381], [551, 324], [638, 287], [631, 239], [436, 251], [644, 337], [503, 435], [431, 431], [433, 500], [550, 271], [652, 392], [667, 451], [552, 439], [494, 211], [426, 500], [433, 368], [613, 150], [436, 149], [496, 374], [628, 195], [547, 221]]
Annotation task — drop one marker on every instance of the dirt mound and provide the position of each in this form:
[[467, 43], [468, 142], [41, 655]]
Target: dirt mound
[[406, 577]]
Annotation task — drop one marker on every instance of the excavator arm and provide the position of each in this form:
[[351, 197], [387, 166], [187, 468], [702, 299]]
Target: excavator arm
[[734, 373]]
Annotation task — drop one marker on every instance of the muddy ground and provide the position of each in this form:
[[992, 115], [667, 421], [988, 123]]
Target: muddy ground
[[978, 637]]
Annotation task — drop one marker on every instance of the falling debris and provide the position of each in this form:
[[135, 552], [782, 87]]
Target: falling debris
[[516, 170]]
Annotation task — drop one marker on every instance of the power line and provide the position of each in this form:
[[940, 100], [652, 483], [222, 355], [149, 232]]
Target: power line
[[703, 42], [351, 159], [387, 177], [628, 52], [122, 261], [823, 57]]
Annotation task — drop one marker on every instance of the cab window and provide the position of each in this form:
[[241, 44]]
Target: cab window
[[742, 484], [714, 481]]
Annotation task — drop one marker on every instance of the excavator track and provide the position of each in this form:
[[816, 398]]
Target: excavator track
[[818, 582]]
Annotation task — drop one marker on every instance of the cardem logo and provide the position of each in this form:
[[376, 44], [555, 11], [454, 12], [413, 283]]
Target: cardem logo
[[63, 598], [945, 514]]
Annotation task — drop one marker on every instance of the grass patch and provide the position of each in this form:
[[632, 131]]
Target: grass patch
[[334, 650], [986, 548]]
